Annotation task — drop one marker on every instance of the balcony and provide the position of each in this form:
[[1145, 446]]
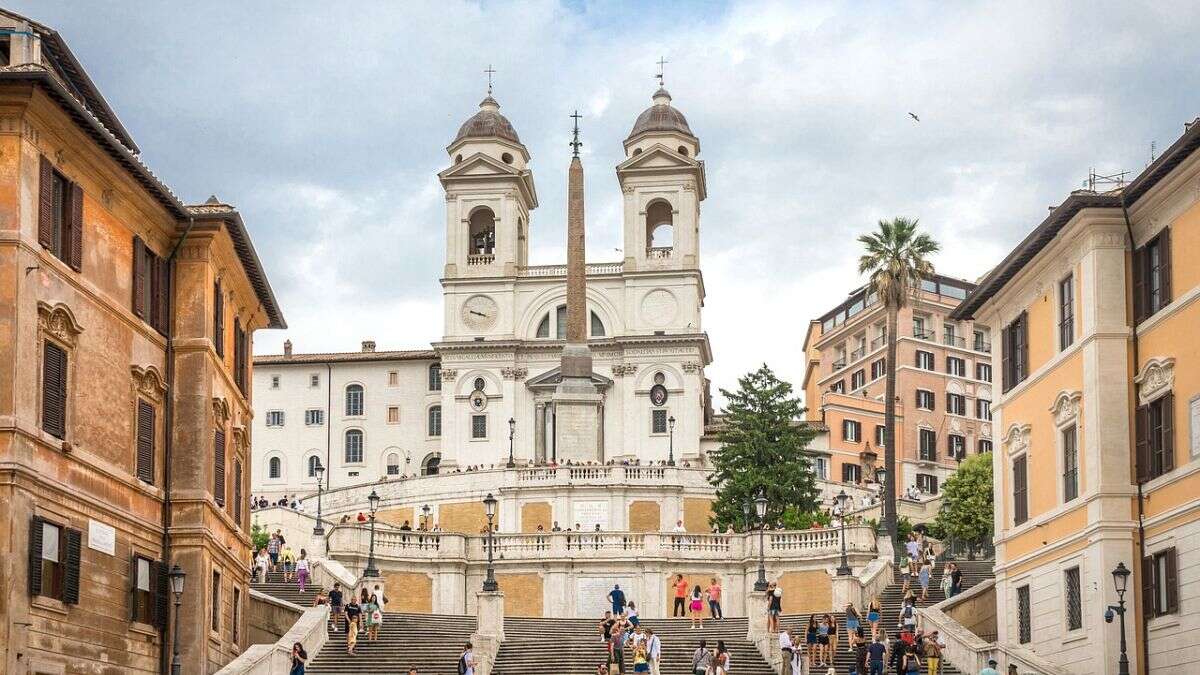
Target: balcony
[[839, 364], [659, 252], [878, 342], [983, 346], [476, 259], [954, 341], [858, 353], [926, 335]]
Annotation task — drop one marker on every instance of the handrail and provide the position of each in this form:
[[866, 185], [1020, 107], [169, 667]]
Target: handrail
[[309, 630]]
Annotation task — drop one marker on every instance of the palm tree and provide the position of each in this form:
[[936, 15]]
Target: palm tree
[[897, 259]]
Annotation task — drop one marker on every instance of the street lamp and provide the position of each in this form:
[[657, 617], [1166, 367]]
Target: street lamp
[[176, 576], [844, 570], [747, 508], [1120, 581], [489, 506], [426, 510], [671, 441], [319, 470], [512, 430], [760, 508], [372, 571]]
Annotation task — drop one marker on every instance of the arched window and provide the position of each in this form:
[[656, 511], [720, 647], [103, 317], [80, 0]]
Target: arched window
[[543, 329], [393, 464], [660, 223], [313, 462], [479, 383], [275, 467], [434, 423], [560, 324], [354, 400], [597, 326], [506, 158], [435, 377], [429, 467], [354, 446], [483, 232]]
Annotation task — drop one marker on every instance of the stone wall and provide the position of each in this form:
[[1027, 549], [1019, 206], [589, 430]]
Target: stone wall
[[522, 594], [397, 516], [696, 513], [410, 592], [806, 591], [268, 619], [645, 516], [465, 517], [534, 514]]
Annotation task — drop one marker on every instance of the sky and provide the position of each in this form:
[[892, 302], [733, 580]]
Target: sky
[[325, 124]]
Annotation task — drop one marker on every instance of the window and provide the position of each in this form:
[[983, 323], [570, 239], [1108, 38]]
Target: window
[[838, 387], [393, 378], [314, 417], [919, 328], [956, 404], [1070, 464], [927, 483], [393, 414], [216, 601], [237, 611], [435, 377], [878, 368], [274, 418], [218, 319], [274, 467], [482, 233], [851, 473], [145, 441], [1024, 629], [54, 390], [658, 421], [1066, 312], [950, 335], [924, 399], [956, 366], [274, 381], [660, 223], [219, 467], [1074, 599], [858, 379], [314, 381], [560, 322], [433, 422], [60, 216], [821, 467], [1152, 276], [313, 462], [981, 342], [880, 435], [925, 360], [1160, 581], [928, 445], [956, 445], [1156, 437], [480, 384], [597, 326], [241, 353], [983, 409], [354, 446], [1020, 491], [143, 590], [985, 445], [1015, 360], [478, 426], [54, 553], [354, 400], [393, 464], [851, 431], [983, 372]]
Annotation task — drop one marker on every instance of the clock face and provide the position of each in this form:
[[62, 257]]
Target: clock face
[[479, 312]]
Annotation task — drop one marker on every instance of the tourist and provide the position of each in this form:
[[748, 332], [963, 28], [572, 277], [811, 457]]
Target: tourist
[[991, 668], [714, 599], [852, 624], [373, 617], [273, 545], [605, 626], [832, 638], [299, 659], [897, 649], [811, 641], [911, 661], [822, 640], [913, 549], [799, 662], [631, 613], [335, 606], [262, 564], [696, 605], [923, 576], [873, 611], [361, 518], [721, 659], [955, 580], [301, 566], [653, 651], [908, 616], [860, 643], [288, 556], [774, 606], [641, 661], [679, 609], [466, 661], [702, 659], [556, 528], [945, 583], [877, 654], [617, 597], [931, 646], [353, 616], [616, 647], [787, 651]]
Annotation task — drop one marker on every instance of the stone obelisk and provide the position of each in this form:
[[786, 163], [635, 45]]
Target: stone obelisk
[[576, 401]]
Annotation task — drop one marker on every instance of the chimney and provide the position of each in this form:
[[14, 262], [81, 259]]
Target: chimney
[[287, 347], [368, 345]]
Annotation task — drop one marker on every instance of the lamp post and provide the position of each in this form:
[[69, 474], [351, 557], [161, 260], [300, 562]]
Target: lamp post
[[844, 570], [176, 576], [760, 508], [489, 506], [671, 441], [1120, 581], [512, 430], [747, 509], [372, 571], [426, 510], [319, 470]]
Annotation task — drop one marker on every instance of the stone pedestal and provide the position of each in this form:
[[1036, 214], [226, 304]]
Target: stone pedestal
[[376, 585], [489, 632], [846, 589], [756, 613], [577, 416]]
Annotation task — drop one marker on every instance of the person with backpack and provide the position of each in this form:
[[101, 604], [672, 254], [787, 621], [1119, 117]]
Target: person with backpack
[[696, 607], [911, 662], [617, 597], [721, 659], [353, 616], [466, 661], [335, 606]]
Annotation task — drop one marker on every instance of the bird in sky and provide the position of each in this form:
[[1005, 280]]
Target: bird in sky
[[914, 116]]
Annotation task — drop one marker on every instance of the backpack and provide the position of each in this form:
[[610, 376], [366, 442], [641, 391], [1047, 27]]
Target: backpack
[[462, 664]]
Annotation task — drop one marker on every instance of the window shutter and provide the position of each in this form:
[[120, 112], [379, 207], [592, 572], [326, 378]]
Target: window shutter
[[133, 589], [162, 285], [54, 389], [1164, 247], [1168, 431], [237, 492], [1138, 262], [1171, 581], [75, 253], [1023, 336], [73, 540], [1142, 436], [219, 466], [218, 319], [161, 585], [139, 277], [46, 203], [145, 441], [1006, 357], [35, 556]]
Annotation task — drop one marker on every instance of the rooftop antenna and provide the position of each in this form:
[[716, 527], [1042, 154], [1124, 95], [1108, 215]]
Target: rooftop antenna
[[575, 142], [661, 70], [490, 71], [1109, 182]]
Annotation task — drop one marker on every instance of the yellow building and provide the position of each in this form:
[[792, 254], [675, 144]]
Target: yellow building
[[1098, 422]]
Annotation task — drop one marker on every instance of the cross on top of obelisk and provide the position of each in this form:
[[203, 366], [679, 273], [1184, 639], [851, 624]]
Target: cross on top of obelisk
[[661, 70], [490, 71], [575, 142]]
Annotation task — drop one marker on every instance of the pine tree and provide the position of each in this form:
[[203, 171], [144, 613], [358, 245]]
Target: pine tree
[[762, 448]]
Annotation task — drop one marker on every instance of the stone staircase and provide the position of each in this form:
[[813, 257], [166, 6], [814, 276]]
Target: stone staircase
[[289, 591], [428, 642]]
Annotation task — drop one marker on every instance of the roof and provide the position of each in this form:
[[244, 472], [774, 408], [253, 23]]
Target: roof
[[488, 123], [1044, 233], [345, 357], [661, 116], [212, 209]]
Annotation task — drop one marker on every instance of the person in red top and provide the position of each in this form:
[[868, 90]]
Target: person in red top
[[361, 517], [714, 599], [681, 589]]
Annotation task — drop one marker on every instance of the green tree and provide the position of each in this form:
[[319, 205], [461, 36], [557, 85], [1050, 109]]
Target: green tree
[[896, 257], [258, 536], [762, 448], [968, 502]]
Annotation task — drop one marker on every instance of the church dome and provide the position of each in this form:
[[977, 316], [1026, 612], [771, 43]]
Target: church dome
[[661, 117], [488, 123]]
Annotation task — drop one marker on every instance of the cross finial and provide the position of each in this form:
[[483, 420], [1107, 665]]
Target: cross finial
[[490, 71], [661, 70], [575, 142]]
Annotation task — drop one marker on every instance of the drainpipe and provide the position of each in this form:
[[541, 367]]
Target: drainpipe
[[1143, 664], [328, 427]]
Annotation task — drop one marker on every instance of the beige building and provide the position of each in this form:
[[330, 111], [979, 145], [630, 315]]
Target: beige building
[[126, 320]]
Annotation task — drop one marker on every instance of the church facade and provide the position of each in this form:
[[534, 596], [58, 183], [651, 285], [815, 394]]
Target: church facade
[[489, 384]]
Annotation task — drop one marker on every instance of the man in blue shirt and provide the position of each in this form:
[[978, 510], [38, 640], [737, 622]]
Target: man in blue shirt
[[991, 668], [877, 655], [617, 597]]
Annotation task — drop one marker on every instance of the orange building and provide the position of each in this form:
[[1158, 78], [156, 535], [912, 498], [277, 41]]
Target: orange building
[[126, 319], [1099, 412], [943, 386]]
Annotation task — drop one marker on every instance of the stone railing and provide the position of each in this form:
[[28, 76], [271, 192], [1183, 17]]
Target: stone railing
[[561, 270], [480, 259], [659, 252], [917, 511], [309, 630]]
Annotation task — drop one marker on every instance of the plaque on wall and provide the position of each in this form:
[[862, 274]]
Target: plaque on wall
[[590, 514], [102, 537], [658, 395]]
